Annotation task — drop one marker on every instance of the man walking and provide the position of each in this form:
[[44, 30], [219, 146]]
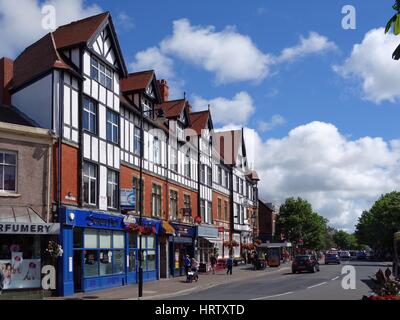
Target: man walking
[[213, 261], [229, 265]]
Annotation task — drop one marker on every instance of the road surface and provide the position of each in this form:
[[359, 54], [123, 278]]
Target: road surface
[[323, 285]]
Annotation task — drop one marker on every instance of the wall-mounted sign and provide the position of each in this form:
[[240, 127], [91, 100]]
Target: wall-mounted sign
[[208, 232], [29, 228], [95, 220], [128, 199], [187, 212]]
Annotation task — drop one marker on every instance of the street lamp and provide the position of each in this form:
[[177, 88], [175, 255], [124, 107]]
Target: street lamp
[[160, 114]]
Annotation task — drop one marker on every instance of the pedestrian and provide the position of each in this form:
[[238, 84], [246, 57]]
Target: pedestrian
[[187, 263], [213, 261], [229, 265]]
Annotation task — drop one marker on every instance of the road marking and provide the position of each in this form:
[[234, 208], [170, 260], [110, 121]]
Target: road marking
[[274, 296], [335, 278], [317, 285]]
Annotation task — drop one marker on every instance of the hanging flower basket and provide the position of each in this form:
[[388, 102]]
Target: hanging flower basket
[[258, 243], [54, 249], [231, 244], [198, 220], [144, 230]]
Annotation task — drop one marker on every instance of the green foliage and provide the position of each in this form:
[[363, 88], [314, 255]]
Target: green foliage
[[297, 221], [377, 226], [345, 240], [395, 20]]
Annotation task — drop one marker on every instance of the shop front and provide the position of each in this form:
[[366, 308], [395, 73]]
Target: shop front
[[182, 243], [150, 248], [24, 238], [209, 244], [101, 250]]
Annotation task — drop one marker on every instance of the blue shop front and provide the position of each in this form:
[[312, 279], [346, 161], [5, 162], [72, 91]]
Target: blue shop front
[[182, 243], [101, 250]]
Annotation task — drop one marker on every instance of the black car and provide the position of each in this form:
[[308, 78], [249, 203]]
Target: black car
[[305, 263]]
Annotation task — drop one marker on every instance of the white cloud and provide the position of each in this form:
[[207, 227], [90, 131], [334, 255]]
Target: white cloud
[[125, 21], [313, 44], [225, 111], [21, 21], [153, 59], [371, 63], [276, 121], [339, 176], [230, 55]]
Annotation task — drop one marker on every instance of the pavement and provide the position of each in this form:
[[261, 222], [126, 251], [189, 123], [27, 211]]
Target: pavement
[[175, 287], [283, 285]]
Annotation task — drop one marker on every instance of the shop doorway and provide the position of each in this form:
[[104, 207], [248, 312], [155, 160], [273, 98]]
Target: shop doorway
[[78, 271], [163, 261]]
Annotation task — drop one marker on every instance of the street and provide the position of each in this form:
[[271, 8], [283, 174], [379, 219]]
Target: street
[[283, 285]]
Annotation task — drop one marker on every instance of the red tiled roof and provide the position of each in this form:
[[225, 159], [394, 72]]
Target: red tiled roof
[[37, 59], [199, 120], [78, 32], [173, 109], [254, 176], [137, 81]]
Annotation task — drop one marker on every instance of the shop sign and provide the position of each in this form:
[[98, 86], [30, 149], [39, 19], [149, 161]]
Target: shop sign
[[208, 232], [128, 199], [129, 220], [30, 228], [98, 221], [183, 231]]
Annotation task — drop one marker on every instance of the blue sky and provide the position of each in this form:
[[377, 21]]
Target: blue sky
[[306, 90], [319, 103]]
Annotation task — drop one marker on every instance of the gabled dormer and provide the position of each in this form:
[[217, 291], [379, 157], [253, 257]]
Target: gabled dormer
[[141, 89]]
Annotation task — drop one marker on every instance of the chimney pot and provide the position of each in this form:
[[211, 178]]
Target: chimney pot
[[164, 89]]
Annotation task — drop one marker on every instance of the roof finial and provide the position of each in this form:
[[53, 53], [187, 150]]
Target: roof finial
[[184, 95], [209, 107]]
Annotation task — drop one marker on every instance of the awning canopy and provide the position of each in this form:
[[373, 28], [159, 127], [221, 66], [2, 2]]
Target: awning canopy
[[211, 240], [167, 228], [24, 220], [9, 214]]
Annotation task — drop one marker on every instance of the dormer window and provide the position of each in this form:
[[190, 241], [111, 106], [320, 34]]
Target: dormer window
[[101, 73], [147, 107], [150, 91]]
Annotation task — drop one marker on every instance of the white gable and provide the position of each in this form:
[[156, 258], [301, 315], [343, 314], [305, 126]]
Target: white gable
[[103, 46]]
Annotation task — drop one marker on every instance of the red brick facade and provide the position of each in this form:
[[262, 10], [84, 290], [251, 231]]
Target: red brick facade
[[126, 182]]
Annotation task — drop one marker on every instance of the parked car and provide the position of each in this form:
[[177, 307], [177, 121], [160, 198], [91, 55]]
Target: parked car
[[362, 255], [353, 255], [305, 263], [345, 255], [332, 258]]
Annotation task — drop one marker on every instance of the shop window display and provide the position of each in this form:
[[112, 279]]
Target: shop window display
[[20, 262]]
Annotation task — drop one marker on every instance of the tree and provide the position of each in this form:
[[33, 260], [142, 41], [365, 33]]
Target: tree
[[395, 23], [377, 226], [345, 240], [297, 221]]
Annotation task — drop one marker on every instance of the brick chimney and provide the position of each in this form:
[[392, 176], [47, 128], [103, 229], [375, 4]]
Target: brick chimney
[[164, 89], [6, 76]]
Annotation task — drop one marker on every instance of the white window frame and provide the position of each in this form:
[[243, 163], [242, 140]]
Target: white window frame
[[114, 186], [156, 150], [100, 73], [91, 178], [3, 164]]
